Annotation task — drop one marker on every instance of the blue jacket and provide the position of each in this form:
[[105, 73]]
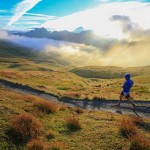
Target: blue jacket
[[127, 85]]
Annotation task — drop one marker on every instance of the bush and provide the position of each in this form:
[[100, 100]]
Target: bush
[[73, 123], [51, 134], [26, 127], [127, 128], [47, 106], [139, 143], [36, 145]]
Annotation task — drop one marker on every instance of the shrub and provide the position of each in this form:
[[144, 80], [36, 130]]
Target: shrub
[[127, 128], [50, 134], [26, 127], [36, 145], [139, 143], [73, 123], [47, 106]]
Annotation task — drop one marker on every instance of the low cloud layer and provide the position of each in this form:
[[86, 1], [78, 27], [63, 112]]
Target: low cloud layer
[[123, 53]]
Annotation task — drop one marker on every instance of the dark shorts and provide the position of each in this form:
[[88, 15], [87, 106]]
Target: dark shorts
[[125, 95]]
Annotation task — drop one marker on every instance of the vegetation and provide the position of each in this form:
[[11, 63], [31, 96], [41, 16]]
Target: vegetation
[[23, 66], [47, 106], [25, 127], [99, 130], [50, 134], [127, 128], [130, 131], [109, 72], [139, 143], [36, 145], [73, 123]]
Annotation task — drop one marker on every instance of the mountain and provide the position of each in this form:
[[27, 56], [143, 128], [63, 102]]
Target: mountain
[[36, 32], [87, 37]]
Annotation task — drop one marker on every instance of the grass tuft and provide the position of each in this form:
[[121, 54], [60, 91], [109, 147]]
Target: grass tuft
[[57, 146], [127, 128], [137, 121], [47, 106], [73, 123], [50, 134], [63, 107], [36, 145], [26, 127], [78, 110], [139, 143]]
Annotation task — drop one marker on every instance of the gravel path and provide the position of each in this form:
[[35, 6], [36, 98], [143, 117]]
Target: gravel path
[[142, 109]]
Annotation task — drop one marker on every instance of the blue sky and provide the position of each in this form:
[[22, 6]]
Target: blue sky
[[26, 14]]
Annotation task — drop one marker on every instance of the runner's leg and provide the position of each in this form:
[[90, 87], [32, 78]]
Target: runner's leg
[[131, 101], [121, 96]]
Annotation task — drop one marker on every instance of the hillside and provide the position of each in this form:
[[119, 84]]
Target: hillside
[[23, 66], [21, 58], [29, 122], [109, 72]]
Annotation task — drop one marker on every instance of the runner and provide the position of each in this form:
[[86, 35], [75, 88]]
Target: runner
[[126, 90]]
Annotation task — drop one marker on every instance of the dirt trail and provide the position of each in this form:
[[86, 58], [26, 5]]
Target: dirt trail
[[142, 109]]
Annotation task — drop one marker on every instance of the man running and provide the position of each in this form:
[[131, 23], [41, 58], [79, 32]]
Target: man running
[[126, 90]]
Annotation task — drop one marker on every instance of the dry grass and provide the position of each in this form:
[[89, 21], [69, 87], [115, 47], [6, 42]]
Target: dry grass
[[137, 121], [50, 134], [98, 98], [26, 127], [47, 106], [99, 129], [139, 143], [127, 128], [57, 146], [78, 110], [62, 107], [36, 145], [73, 123]]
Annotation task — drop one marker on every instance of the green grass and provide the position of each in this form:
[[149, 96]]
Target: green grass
[[99, 130], [26, 67], [109, 72]]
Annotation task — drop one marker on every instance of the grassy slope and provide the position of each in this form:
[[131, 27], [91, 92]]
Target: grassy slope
[[99, 129], [109, 72], [26, 67], [15, 57]]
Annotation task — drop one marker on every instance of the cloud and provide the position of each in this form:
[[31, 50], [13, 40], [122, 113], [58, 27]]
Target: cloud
[[41, 15], [20, 9], [125, 21], [98, 18], [124, 54], [3, 35], [132, 30], [3, 11]]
